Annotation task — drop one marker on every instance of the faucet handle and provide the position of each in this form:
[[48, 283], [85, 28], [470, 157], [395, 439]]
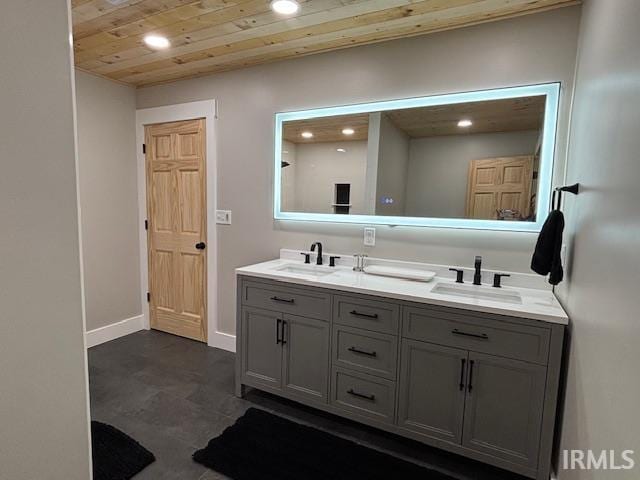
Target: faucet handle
[[478, 259], [307, 257], [459, 274], [332, 260], [497, 277]]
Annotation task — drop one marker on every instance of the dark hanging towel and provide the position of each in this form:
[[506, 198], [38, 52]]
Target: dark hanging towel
[[546, 257]]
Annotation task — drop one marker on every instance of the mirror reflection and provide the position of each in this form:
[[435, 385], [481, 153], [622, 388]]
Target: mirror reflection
[[475, 160]]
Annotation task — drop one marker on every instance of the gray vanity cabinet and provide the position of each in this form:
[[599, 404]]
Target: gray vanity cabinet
[[476, 384], [432, 390], [306, 357], [261, 353], [285, 340], [504, 407]]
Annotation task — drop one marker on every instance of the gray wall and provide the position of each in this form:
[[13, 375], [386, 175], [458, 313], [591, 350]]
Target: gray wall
[[439, 167], [288, 178], [393, 161], [603, 234], [43, 380], [525, 50], [108, 198], [319, 166]]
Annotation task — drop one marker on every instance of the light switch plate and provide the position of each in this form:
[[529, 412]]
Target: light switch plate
[[223, 217], [369, 236]]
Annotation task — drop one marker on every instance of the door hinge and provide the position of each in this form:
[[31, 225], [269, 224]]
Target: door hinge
[[148, 296], [144, 148], [146, 224]]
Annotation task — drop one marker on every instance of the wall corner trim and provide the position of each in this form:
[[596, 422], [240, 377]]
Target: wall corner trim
[[115, 330]]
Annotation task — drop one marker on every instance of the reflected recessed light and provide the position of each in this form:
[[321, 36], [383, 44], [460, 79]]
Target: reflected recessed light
[[306, 135], [348, 131], [465, 123], [156, 41], [285, 7], [341, 150]]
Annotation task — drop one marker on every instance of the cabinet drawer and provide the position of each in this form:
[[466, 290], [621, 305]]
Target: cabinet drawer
[[365, 351], [475, 332], [363, 394], [282, 298], [363, 312]]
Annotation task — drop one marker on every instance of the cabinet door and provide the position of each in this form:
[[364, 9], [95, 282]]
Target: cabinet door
[[306, 358], [503, 410], [261, 350], [432, 390]]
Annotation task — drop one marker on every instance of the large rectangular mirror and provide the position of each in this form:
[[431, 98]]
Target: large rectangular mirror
[[467, 160]]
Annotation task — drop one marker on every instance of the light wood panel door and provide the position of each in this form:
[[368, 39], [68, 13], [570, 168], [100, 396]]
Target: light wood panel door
[[499, 183], [177, 230]]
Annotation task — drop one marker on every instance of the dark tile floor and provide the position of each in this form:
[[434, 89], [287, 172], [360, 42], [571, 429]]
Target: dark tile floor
[[173, 395]]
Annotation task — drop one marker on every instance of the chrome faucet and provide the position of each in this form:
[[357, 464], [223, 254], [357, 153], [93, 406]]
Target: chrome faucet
[[319, 257], [477, 277]]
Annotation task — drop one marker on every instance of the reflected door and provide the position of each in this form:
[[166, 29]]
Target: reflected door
[[176, 193], [498, 185]]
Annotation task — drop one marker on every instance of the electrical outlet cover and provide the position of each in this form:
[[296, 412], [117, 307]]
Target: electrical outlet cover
[[370, 236]]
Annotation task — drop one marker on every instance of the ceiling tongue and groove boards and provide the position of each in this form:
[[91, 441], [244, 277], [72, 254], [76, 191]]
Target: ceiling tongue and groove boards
[[209, 36]]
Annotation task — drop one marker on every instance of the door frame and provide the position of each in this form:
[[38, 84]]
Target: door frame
[[206, 109]]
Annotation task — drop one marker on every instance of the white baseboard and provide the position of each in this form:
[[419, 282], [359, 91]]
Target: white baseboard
[[223, 341], [115, 330]]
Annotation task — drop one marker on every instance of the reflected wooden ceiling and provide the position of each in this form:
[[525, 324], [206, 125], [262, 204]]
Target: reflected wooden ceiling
[[507, 115], [209, 36], [327, 129]]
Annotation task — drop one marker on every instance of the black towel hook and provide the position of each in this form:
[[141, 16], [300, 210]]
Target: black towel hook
[[575, 189]]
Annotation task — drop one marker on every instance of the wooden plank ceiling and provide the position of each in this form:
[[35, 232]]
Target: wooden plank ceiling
[[327, 129], [507, 115], [210, 36]]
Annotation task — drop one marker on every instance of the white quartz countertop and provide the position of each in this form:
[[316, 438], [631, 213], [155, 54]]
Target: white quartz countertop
[[535, 304]]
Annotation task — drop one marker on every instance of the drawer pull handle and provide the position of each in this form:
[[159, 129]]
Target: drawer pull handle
[[362, 352], [482, 336], [371, 398], [283, 300], [366, 315]]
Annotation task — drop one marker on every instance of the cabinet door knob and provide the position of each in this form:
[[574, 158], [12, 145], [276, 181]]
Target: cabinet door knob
[[201, 245]]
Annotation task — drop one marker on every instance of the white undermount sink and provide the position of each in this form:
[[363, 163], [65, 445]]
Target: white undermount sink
[[478, 292], [304, 269]]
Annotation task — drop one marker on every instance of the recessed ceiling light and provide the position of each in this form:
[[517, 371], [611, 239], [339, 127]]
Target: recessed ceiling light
[[465, 123], [306, 135], [156, 41], [285, 7], [341, 150], [348, 131]]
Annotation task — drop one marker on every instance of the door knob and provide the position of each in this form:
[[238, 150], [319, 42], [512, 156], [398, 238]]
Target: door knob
[[201, 245]]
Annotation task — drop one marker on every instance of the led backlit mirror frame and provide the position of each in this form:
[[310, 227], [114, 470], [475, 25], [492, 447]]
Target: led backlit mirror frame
[[545, 175]]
